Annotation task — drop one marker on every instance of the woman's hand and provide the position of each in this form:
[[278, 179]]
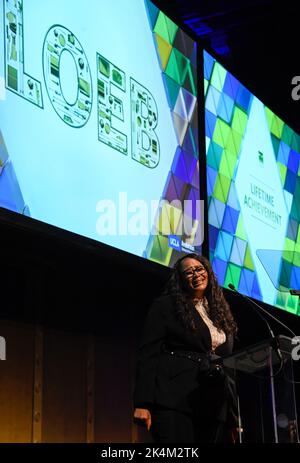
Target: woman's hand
[[144, 415]]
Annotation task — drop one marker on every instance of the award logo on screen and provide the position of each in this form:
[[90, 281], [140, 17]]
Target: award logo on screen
[[175, 242]]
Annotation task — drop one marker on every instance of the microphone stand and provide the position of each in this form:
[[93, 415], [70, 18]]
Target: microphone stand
[[256, 306], [274, 342]]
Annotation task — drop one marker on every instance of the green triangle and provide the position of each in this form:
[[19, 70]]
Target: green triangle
[[218, 76], [281, 299], [177, 66], [296, 142], [189, 83], [248, 262], [275, 143], [172, 90], [287, 135], [182, 64], [277, 126], [233, 274], [172, 68], [239, 120], [165, 28], [282, 171], [270, 116], [221, 188], [240, 230]]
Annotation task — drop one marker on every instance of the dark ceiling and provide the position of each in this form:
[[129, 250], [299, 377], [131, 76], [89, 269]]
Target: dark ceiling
[[257, 40]]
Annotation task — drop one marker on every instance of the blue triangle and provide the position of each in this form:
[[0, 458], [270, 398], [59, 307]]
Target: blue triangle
[[152, 11]]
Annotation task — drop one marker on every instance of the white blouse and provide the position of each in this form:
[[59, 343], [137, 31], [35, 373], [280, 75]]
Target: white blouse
[[218, 337]]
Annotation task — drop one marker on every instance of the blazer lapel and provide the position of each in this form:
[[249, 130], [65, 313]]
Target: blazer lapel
[[202, 331]]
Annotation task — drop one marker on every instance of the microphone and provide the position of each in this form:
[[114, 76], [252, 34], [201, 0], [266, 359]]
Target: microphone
[[255, 306], [295, 292]]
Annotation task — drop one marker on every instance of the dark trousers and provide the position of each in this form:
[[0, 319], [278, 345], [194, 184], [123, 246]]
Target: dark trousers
[[174, 426]]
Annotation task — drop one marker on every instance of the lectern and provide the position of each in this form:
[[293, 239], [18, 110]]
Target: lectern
[[266, 391]]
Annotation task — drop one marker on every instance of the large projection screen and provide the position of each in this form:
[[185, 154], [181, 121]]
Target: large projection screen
[[98, 121], [253, 183]]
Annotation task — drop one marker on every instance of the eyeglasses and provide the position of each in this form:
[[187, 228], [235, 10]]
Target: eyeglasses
[[189, 273]]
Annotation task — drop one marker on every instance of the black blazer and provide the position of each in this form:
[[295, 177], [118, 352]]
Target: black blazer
[[172, 381]]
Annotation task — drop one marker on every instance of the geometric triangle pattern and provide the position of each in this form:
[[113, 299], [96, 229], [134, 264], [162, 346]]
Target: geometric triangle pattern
[[177, 57], [227, 104]]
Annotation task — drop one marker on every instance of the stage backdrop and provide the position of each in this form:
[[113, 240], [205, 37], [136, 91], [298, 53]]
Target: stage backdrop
[[99, 132], [253, 187]]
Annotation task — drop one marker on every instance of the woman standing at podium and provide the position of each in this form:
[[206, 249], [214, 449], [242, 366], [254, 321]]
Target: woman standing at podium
[[180, 395]]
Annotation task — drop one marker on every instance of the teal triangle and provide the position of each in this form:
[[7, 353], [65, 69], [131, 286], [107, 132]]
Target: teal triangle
[[153, 12], [295, 144], [172, 90], [275, 143]]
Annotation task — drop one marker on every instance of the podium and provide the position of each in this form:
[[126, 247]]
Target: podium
[[266, 393]]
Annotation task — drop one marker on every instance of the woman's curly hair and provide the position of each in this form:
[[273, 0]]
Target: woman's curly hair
[[218, 308]]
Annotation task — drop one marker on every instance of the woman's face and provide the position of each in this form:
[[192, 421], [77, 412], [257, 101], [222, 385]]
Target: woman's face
[[195, 276]]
